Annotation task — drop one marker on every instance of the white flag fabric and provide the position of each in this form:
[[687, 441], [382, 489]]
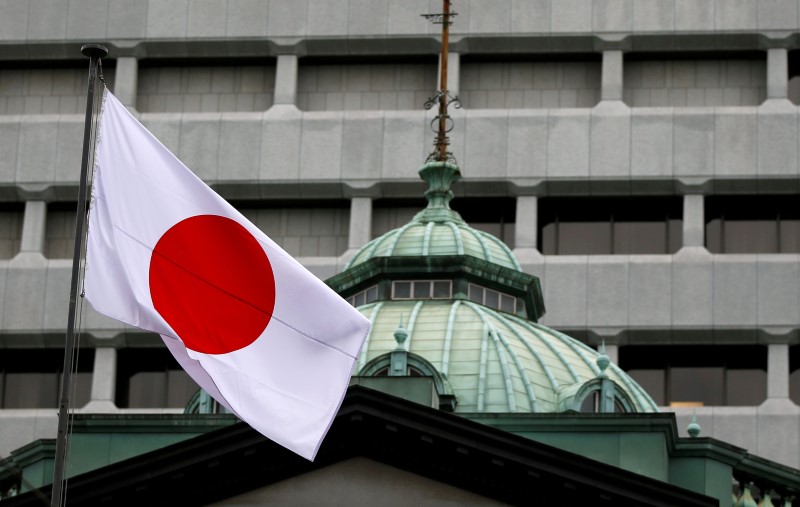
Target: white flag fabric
[[256, 330]]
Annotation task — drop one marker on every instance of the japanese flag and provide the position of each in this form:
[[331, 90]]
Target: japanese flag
[[252, 327]]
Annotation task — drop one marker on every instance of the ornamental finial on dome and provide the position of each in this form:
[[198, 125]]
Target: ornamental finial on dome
[[442, 124], [694, 427], [441, 170], [602, 359], [400, 334], [439, 176]]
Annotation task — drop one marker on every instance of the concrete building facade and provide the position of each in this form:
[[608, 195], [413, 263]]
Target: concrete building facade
[[639, 156]]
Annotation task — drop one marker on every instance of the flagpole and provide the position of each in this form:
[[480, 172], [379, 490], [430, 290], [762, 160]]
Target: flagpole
[[94, 52]]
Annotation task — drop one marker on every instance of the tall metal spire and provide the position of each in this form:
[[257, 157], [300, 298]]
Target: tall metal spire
[[442, 124]]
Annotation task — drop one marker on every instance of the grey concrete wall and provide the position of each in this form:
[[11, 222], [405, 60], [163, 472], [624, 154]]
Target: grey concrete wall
[[179, 19], [522, 146], [689, 297], [218, 120], [205, 89], [514, 85], [304, 232], [45, 90], [357, 87], [695, 83], [665, 298]]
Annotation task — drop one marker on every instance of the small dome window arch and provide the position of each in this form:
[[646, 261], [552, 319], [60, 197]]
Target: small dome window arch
[[416, 366], [598, 395]]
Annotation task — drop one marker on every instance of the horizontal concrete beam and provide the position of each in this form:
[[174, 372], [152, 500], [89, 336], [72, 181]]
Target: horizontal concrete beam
[[649, 298], [668, 298], [291, 21], [285, 152]]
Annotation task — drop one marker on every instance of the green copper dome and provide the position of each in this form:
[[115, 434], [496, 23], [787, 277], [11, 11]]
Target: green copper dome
[[467, 318], [438, 230], [494, 361]]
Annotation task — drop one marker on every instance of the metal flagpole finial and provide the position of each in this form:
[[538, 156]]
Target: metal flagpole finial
[[442, 124], [94, 50]]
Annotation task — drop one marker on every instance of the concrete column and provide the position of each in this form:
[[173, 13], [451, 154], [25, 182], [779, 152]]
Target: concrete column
[[34, 223], [104, 379], [778, 370], [286, 80], [611, 85], [126, 80], [526, 226], [360, 222], [777, 73], [694, 220], [453, 73]]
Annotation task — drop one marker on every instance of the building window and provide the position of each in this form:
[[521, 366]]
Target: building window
[[205, 86], [347, 84], [699, 375], [591, 404], [59, 238], [11, 216], [31, 378], [529, 81], [753, 224], [495, 216], [492, 298], [694, 80], [422, 289], [606, 225], [794, 373], [364, 297], [151, 378]]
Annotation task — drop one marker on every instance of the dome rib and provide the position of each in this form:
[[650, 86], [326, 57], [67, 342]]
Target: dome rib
[[555, 351], [412, 321], [367, 250], [526, 381], [482, 369], [457, 237], [637, 390], [487, 253], [505, 249], [535, 353], [426, 239], [398, 234], [448, 337], [365, 348], [572, 344], [501, 355], [498, 337]]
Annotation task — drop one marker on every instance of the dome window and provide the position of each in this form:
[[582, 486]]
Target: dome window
[[492, 298], [592, 404], [364, 297], [422, 289]]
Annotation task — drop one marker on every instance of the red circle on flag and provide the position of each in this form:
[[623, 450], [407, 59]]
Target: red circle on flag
[[213, 284]]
